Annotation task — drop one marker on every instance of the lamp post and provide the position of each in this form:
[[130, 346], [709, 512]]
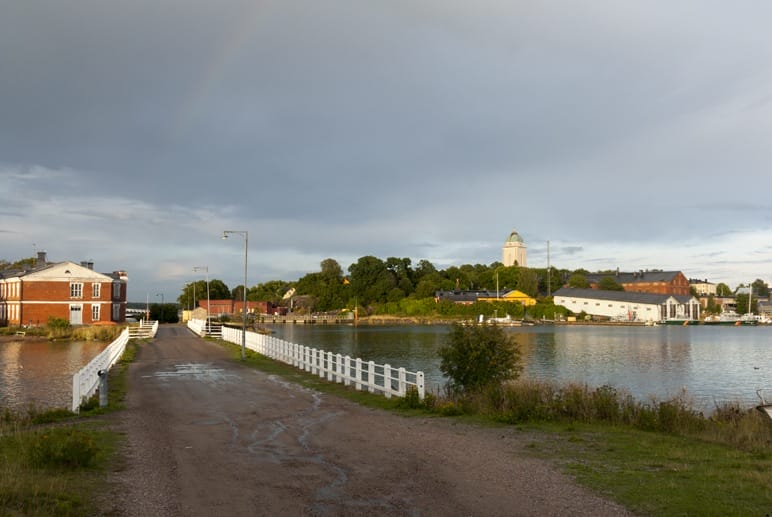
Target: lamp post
[[244, 234], [203, 268]]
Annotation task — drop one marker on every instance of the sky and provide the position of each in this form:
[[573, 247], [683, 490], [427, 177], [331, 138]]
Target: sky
[[630, 135]]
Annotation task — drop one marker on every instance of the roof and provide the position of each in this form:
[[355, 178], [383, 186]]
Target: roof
[[59, 271], [620, 296], [514, 237], [634, 277], [462, 296]]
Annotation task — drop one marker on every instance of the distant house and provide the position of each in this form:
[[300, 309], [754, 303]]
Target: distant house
[[703, 287], [66, 290], [220, 307], [656, 282], [627, 306], [470, 297], [514, 296]]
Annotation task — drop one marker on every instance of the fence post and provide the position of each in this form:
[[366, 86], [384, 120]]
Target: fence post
[[347, 371], [76, 392], [338, 368], [358, 373], [387, 380], [419, 383], [401, 383], [330, 366], [321, 358], [371, 376]]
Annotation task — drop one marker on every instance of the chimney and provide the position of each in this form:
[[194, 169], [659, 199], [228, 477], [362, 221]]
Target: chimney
[[41, 261], [87, 264]]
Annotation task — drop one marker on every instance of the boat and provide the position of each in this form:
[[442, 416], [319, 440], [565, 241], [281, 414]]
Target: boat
[[680, 321], [731, 318]]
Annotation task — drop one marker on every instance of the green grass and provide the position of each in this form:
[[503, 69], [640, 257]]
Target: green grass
[[53, 462], [52, 469], [659, 474]]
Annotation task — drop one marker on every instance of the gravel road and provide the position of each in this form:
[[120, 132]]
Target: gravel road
[[208, 436]]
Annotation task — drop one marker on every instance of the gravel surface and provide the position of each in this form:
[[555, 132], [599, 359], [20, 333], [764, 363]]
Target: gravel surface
[[207, 436]]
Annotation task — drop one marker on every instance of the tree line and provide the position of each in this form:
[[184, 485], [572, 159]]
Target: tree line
[[397, 286]]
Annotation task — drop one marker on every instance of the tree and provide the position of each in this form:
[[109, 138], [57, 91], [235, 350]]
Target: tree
[[477, 356], [723, 290], [272, 291], [578, 281], [370, 280], [326, 289], [217, 291], [760, 288], [607, 283], [164, 312]]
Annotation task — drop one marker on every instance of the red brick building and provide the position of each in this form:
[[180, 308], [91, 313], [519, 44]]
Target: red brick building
[[64, 290], [654, 282], [218, 307]]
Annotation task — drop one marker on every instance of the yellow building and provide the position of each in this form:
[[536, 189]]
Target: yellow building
[[513, 296]]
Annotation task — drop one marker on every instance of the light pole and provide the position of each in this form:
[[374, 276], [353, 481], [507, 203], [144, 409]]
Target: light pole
[[204, 268], [244, 234], [162, 297]]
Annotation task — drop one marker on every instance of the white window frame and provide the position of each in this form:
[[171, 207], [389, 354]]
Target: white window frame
[[96, 290], [76, 289], [95, 312]]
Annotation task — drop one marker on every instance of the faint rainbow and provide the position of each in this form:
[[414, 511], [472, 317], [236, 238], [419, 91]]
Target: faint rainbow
[[213, 69]]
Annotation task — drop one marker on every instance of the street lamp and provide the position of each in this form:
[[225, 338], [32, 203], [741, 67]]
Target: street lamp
[[203, 268], [244, 234], [162, 297]]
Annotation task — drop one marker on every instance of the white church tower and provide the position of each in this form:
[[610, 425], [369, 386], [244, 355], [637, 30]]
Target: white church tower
[[513, 252]]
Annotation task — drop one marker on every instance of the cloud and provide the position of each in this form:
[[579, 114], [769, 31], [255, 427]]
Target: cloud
[[628, 136]]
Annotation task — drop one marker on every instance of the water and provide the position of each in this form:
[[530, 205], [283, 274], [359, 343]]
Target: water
[[39, 372], [712, 365]]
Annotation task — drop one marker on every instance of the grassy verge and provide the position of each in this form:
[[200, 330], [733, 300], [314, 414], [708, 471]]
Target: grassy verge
[[53, 462], [655, 459]]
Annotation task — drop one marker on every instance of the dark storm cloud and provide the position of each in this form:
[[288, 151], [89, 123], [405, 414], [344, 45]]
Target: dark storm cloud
[[422, 129]]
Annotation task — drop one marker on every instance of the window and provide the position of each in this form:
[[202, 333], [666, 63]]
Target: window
[[76, 290], [96, 290], [95, 312], [116, 311], [116, 290]]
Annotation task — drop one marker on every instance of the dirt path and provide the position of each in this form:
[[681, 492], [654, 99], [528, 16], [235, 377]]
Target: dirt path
[[207, 436]]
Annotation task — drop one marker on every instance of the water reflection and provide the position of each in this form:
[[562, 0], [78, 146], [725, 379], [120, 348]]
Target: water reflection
[[39, 372], [712, 364]]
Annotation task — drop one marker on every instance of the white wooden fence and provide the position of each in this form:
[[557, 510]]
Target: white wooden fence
[[145, 329], [86, 380], [376, 378]]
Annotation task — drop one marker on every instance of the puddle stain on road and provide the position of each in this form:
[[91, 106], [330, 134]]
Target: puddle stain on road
[[196, 371]]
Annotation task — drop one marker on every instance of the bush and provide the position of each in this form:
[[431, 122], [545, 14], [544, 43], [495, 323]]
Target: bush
[[58, 327], [478, 356]]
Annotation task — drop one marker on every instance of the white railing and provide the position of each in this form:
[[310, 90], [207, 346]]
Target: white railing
[[200, 327], [376, 378], [85, 381], [146, 329]]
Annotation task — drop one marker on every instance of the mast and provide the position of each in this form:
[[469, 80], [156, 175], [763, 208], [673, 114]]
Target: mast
[[549, 283]]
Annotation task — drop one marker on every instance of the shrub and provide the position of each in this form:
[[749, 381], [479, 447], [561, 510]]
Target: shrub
[[477, 356], [58, 327]]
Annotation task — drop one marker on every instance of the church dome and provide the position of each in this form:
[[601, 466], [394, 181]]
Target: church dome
[[514, 237]]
